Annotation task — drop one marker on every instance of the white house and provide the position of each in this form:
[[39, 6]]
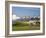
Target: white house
[[34, 21]]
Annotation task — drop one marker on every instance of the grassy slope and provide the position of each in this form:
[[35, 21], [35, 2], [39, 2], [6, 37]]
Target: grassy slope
[[24, 26]]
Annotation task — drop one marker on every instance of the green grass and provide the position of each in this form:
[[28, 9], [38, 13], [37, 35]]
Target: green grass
[[25, 26]]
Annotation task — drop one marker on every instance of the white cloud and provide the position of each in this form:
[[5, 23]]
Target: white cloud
[[14, 17]]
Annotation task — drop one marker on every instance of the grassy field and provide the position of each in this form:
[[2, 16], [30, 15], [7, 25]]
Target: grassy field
[[25, 25]]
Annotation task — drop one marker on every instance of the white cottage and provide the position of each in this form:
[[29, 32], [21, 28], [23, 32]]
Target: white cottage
[[34, 21]]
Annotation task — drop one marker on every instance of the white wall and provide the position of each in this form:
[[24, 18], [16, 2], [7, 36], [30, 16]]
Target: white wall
[[2, 19]]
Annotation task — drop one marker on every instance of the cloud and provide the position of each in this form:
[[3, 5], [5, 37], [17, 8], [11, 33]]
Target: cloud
[[14, 17]]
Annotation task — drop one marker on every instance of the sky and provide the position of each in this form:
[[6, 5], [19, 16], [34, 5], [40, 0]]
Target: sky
[[25, 11]]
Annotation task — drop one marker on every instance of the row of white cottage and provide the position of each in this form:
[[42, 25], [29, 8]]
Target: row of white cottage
[[34, 21]]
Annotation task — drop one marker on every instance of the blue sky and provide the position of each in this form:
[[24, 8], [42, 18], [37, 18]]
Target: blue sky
[[26, 11]]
